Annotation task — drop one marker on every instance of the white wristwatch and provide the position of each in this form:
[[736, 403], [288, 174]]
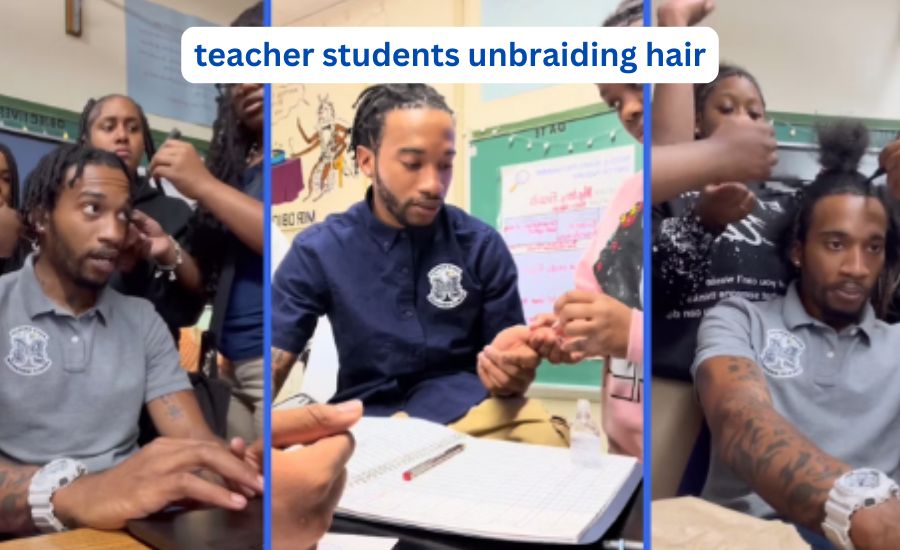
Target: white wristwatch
[[860, 488], [46, 481]]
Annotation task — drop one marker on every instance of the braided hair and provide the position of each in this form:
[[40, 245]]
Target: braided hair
[[227, 160], [13, 262], [92, 110], [627, 13], [45, 183], [842, 146], [231, 142], [375, 102]]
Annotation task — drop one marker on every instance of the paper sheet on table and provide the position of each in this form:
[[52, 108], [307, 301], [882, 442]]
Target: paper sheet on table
[[694, 523], [339, 541]]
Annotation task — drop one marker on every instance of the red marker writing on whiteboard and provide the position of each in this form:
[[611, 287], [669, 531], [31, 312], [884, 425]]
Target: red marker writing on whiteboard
[[416, 471]]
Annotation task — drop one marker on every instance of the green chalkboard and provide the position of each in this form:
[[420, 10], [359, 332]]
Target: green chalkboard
[[44, 121], [571, 132], [798, 128]]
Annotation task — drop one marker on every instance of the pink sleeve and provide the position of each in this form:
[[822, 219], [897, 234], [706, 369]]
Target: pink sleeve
[[636, 337], [630, 192]]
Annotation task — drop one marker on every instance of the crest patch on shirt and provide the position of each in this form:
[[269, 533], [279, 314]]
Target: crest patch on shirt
[[28, 351], [781, 356], [447, 291]]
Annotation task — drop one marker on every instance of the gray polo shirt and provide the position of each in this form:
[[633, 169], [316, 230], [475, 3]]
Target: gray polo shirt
[[840, 389], [74, 386]]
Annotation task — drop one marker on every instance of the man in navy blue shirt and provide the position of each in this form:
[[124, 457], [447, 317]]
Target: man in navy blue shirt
[[422, 297]]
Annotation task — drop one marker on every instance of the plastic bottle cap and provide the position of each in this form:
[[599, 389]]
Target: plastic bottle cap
[[583, 410]]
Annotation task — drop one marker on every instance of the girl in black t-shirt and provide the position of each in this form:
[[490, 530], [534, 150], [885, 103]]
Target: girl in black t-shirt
[[718, 242], [152, 263]]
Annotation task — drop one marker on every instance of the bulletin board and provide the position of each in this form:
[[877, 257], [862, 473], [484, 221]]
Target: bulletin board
[[543, 184]]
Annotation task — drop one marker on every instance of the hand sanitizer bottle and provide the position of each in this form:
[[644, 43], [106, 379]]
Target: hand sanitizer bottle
[[586, 448]]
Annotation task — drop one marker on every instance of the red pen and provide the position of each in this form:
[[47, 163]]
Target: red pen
[[416, 471]]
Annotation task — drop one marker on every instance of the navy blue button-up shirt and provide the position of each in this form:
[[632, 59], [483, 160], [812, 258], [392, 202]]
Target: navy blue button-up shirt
[[410, 308]]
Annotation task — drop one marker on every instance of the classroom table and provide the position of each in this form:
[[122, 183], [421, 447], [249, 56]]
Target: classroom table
[[628, 526], [77, 539]]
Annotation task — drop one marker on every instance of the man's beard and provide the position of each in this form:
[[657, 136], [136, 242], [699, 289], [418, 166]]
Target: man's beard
[[399, 211], [66, 262]]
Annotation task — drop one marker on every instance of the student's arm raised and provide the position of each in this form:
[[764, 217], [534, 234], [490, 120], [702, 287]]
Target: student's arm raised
[[738, 151], [178, 162], [673, 104]]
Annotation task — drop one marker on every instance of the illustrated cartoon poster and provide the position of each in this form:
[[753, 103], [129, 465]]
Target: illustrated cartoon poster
[[313, 172]]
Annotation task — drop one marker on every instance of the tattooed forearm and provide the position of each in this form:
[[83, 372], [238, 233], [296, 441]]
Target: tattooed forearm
[[173, 410], [15, 513], [282, 361], [761, 446]]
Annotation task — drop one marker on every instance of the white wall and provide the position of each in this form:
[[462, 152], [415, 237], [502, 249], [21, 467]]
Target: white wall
[[830, 57], [41, 63]]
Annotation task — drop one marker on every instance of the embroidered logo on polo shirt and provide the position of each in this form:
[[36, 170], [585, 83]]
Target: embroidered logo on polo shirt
[[781, 356], [28, 351], [447, 291]]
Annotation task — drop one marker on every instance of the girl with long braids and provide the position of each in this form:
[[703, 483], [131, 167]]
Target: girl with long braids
[[226, 232]]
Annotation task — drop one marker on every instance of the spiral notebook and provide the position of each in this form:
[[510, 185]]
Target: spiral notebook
[[492, 489]]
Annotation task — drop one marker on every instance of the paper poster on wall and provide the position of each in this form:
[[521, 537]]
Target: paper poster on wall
[[153, 59], [313, 174], [549, 211]]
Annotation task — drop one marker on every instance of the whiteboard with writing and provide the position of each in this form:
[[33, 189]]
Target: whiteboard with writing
[[549, 210]]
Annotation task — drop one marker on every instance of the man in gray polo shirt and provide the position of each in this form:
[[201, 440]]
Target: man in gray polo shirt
[[80, 360], [801, 392]]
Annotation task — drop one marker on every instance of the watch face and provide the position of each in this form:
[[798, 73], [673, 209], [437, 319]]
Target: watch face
[[56, 467], [63, 471], [861, 479]]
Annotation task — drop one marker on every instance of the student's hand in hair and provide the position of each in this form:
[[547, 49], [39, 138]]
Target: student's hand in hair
[[508, 365], [308, 482], [158, 245], [178, 162], [545, 339], [876, 527], [146, 240], [157, 476], [723, 203], [134, 249], [890, 161], [592, 324], [684, 13], [743, 150]]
